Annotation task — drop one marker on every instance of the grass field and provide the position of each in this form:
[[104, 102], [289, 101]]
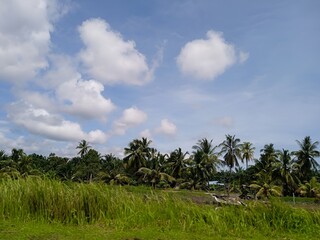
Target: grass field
[[34, 208]]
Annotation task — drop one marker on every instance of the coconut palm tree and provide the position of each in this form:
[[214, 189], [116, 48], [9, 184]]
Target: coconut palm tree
[[137, 154], [310, 189], [231, 151], [268, 160], [204, 161], [17, 154], [247, 152], [265, 186], [231, 148], [305, 157], [84, 148], [154, 176], [177, 162], [89, 166], [285, 172]]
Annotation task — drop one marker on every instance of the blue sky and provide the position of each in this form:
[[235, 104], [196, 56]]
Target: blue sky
[[172, 71]]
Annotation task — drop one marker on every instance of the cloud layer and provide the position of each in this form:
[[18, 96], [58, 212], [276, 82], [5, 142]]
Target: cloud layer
[[207, 58]]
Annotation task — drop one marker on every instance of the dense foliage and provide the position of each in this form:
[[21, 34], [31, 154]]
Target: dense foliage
[[275, 172]]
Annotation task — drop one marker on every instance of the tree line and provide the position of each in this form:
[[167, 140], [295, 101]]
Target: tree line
[[274, 173]]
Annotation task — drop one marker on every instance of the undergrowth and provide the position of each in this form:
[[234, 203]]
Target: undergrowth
[[120, 208]]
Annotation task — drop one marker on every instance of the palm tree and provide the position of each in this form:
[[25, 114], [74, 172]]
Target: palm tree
[[247, 152], [266, 190], [89, 166], [265, 185], [137, 154], [177, 162], [305, 157], [84, 148], [285, 173], [17, 154], [204, 161], [268, 159], [310, 189], [154, 176], [3, 155], [231, 148]]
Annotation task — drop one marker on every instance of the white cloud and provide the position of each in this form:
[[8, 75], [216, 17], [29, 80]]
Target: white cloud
[[206, 58], [64, 91], [109, 58], [39, 121], [84, 98], [62, 68], [75, 97], [25, 28], [37, 99], [226, 122], [131, 117], [167, 127], [146, 134]]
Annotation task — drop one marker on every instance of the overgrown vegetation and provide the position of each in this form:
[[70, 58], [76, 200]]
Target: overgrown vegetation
[[122, 209], [274, 173]]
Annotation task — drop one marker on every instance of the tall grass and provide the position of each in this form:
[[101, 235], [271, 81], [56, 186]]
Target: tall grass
[[121, 208]]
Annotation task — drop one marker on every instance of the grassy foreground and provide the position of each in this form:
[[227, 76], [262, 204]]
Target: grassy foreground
[[34, 208]]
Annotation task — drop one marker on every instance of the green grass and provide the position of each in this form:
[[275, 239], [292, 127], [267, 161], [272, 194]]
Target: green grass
[[34, 208]]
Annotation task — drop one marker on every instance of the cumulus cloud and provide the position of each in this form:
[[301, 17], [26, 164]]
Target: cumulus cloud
[[81, 98], [62, 68], [37, 99], [109, 58], [207, 58], [84, 98], [167, 127], [131, 117], [25, 28], [64, 91], [39, 121], [146, 134], [226, 122]]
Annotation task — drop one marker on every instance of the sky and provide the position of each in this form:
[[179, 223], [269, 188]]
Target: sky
[[173, 71]]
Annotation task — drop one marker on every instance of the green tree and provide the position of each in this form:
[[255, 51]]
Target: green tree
[[112, 164], [84, 147], [268, 160], [231, 150], [177, 162], [265, 185], [247, 152], [17, 154], [204, 162], [310, 189], [306, 157], [3, 155], [137, 154], [59, 167], [155, 176], [89, 166], [285, 173]]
